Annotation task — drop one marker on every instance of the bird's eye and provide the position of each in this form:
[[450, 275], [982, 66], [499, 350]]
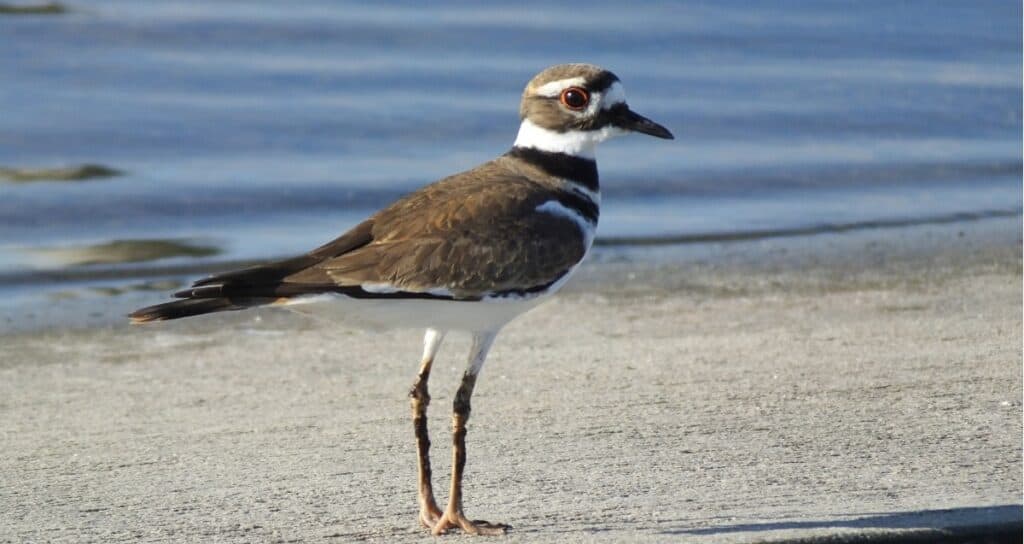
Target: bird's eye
[[575, 98]]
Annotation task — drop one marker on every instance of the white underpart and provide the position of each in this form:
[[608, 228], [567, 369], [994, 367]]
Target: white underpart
[[381, 288], [440, 314], [387, 288], [578, 143]]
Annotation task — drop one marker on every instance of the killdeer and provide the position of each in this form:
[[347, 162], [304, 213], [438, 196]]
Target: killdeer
[[468, 252]]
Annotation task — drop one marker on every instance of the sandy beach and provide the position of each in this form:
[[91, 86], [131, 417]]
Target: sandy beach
[[843, 385]]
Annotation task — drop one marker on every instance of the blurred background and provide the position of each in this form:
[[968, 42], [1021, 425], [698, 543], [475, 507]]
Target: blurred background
[[145, 143]]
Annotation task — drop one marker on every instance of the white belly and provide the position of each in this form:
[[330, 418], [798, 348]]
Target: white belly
[[414, 313], [489, 314]]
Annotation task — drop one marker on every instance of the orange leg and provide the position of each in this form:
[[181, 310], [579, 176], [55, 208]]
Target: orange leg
[[453, 516], [419, 399]]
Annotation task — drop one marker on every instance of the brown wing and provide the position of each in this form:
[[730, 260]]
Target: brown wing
[[261, 280], [471, 234]]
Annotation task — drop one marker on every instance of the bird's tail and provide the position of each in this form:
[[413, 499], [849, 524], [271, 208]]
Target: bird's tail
[[189, 307]]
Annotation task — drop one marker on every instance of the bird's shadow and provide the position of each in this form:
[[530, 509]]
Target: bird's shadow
[[976, 523]]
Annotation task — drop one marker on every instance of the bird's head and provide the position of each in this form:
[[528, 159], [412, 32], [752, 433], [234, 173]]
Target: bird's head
[[570, 108]]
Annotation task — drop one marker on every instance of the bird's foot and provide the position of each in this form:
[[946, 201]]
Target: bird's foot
[[429, 516], [455, 520]]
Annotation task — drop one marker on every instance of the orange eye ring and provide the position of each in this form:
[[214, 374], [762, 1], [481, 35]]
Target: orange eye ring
[[575, 98]]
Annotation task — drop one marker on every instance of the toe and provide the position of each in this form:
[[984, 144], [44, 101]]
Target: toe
[[481, 527], [450, 521], [492, 529], [429, 519], [441, 527]]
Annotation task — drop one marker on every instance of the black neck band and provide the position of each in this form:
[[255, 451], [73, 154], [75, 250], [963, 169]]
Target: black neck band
[[560, 165]]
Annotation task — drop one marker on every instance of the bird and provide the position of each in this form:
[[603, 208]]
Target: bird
[[466, 253]]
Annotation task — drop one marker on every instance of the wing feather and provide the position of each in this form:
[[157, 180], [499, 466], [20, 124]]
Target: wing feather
[[467, 235], [470, 234]]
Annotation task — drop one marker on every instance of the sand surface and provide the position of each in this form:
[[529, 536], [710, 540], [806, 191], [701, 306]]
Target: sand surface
[[848, 386]]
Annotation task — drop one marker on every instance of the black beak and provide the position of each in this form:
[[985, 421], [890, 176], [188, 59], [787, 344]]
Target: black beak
[[627, 119]]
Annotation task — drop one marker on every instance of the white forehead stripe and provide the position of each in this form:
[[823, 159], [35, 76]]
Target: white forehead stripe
[[554, 88]]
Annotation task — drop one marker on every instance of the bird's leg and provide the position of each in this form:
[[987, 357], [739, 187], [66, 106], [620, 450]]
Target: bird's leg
[[453, 515], [419, 398]]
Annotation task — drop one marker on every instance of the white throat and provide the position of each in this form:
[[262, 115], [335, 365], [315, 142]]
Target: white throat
[[578, 143]]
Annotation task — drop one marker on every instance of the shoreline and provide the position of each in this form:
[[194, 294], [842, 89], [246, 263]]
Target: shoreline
[[128, 270], [100, 297], [777, 390]]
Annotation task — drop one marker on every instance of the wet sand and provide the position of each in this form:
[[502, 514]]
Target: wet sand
[[854, 384]]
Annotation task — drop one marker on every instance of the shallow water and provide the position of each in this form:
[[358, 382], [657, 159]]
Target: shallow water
[[263, 128]]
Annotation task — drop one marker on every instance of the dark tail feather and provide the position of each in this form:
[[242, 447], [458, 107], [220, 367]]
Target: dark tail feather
[[186, 308]]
